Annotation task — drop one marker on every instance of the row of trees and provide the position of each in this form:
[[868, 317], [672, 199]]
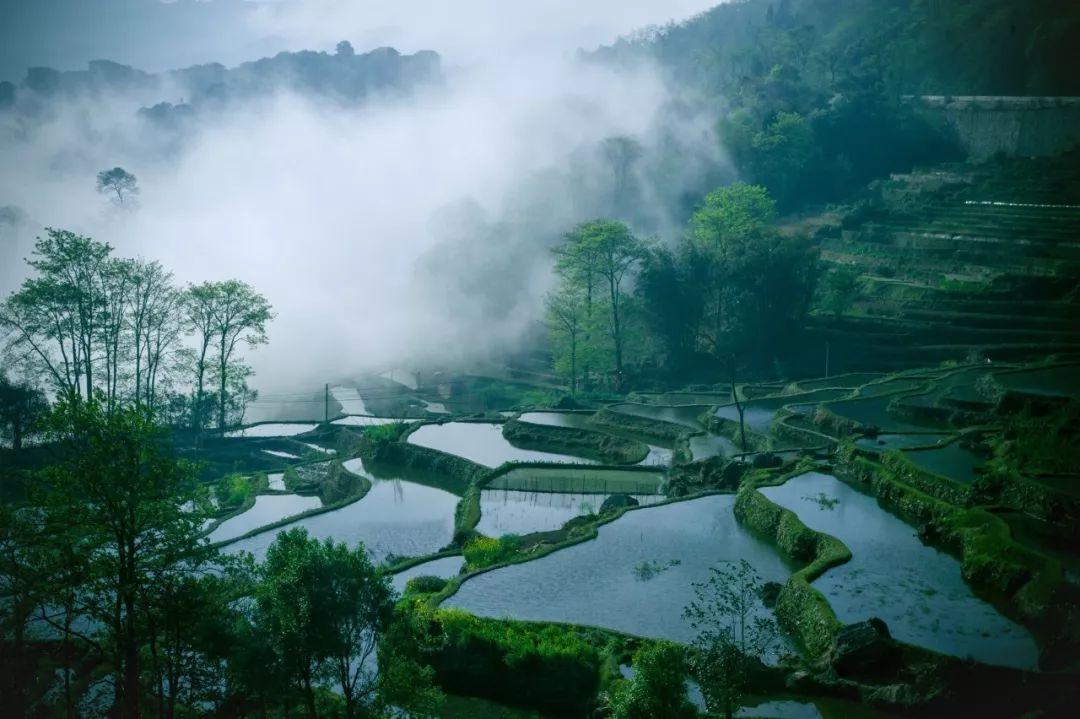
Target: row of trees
[[115, 604], [88, 321], [733, 287]]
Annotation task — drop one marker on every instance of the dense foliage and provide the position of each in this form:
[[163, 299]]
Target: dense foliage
[[733, 289], [89, 321], [813, 93]]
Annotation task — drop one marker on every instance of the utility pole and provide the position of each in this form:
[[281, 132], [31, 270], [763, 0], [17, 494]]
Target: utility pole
[[326, 403]]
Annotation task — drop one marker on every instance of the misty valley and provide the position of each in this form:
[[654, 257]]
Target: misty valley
[[599, 360]]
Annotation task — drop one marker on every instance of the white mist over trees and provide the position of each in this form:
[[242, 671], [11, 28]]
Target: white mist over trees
[[318, 202]]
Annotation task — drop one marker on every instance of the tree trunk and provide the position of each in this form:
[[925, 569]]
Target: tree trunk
[[738, 407], [309, 699], [221, 395]]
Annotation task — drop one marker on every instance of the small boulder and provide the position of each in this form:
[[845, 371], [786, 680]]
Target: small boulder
[[864, 649], [616, 502]]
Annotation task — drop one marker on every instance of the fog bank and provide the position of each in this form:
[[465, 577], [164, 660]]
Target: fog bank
[[406, 230]]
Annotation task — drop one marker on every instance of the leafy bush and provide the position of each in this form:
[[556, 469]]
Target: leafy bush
[[658, 688], [425, 585], [384, 432], [233, 490], [548, 668], [486, 551]]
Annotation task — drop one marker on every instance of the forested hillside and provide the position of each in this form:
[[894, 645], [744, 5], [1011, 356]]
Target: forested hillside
[[812, 91]]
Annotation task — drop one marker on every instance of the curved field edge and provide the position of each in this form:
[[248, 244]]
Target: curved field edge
[[1024, 584]]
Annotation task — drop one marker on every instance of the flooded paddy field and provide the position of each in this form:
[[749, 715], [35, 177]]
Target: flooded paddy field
[[850, 380], [579, 479], [1063, 381], [953, 461], [268, 508], [512, 511], [443, 568], [758, 414], [482, 443], [601, 582], [396, 517], [873, 412], [703, 446], [686, 415], [883, 442], [658, 456], [916, 589], [272, 429]]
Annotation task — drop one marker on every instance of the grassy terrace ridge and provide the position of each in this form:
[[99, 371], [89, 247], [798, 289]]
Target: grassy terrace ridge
[[1025, 584], [591, 444], [630, 480], [576, 531], [801, 609], [360, 483]]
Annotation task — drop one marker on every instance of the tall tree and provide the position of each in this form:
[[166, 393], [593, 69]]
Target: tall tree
[[199, 302], [22, 406], [120, 500], [601, 255], [323, 607], [118, 183], [117, 285], [621, 153], [566, 318], [239, 314], [55, 318], [155, 327]]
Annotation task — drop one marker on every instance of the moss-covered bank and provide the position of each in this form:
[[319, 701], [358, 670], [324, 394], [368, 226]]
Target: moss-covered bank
[[1025, 584], [802, 610], [600, 446]]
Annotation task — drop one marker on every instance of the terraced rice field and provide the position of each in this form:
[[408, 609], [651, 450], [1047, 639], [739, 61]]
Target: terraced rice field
[[595, 583], [482, 443], [916, 589]]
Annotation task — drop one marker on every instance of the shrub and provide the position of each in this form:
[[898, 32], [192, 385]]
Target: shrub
[[384, 432], [233, 490], [547, 668], [425, 585], [658, 688], [486, 551]]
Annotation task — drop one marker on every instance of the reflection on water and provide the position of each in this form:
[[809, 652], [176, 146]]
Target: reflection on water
[[268, 508], [873, 412], [350, 400], [686, 415], [883, 442], [366, 421], [756, 417], [657, 456], [482, 443], [395, 517], [509, 511], [578, 420], [444, 568], [703, 446], [1050, 381], [953, 461], [594, 583], [272, 429], [276, 480], [917, 590]]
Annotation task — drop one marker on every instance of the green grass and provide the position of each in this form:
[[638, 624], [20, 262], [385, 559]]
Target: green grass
[[587, 481]]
